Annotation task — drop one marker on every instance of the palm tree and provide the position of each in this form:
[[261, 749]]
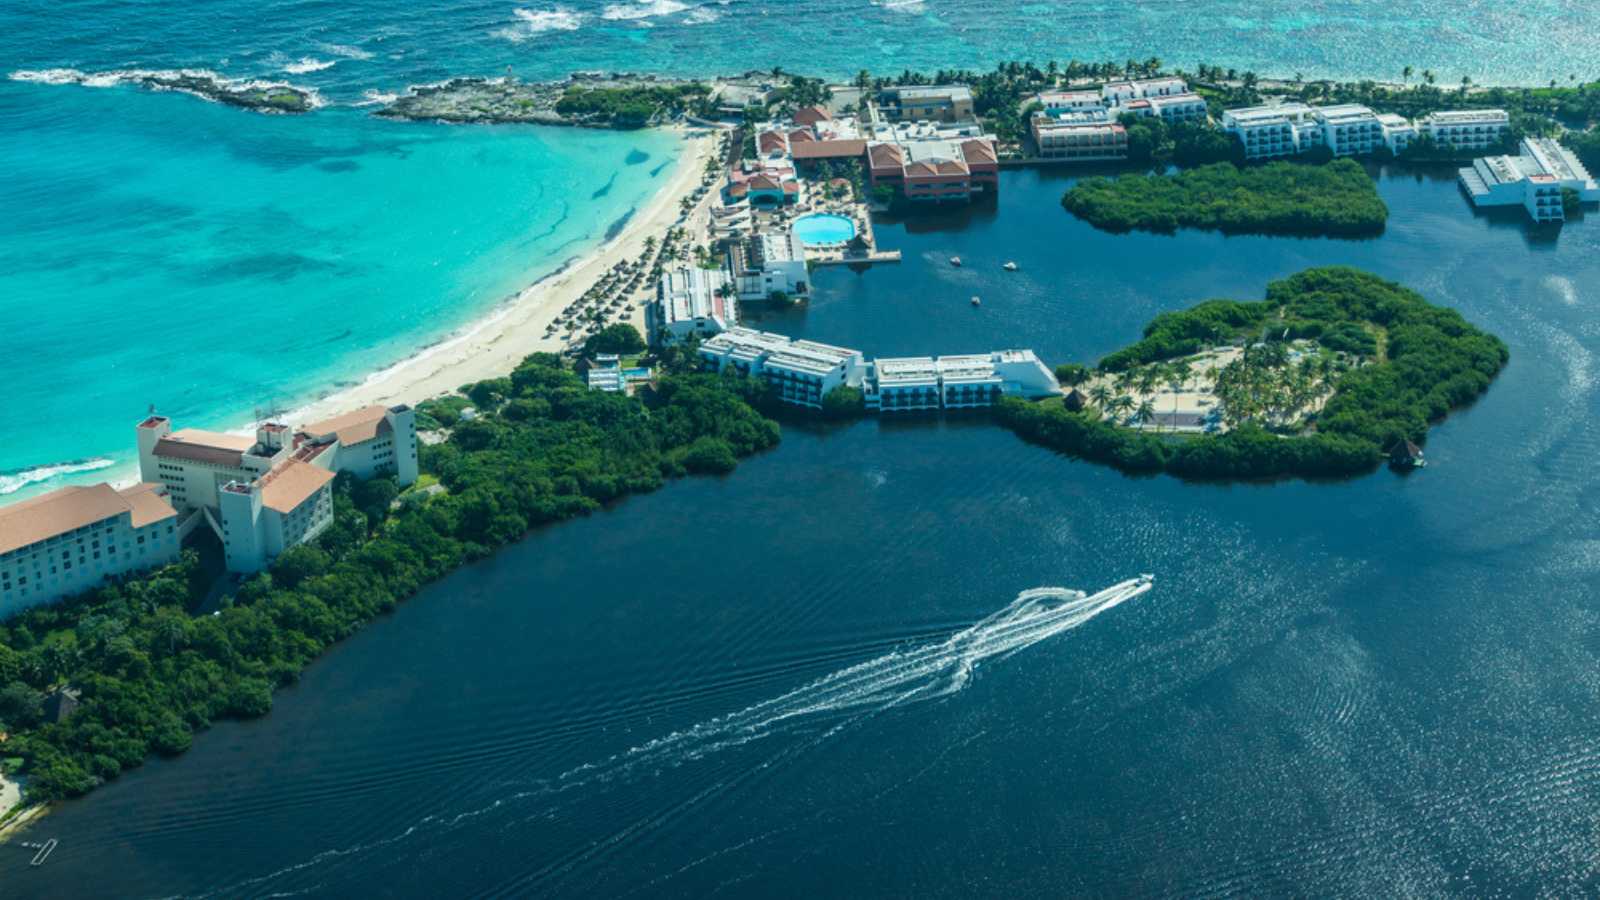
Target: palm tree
[[1122, 404], [1145, 412], [1427, 75], [1101, 395], [1405, 74]]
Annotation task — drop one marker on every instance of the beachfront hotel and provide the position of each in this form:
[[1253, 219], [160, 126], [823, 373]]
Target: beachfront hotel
[[1534, 178], [1346, 129], [938, 103], [693, 301], [257, 493], [1466, 129], [1121, 93], [70, 540]]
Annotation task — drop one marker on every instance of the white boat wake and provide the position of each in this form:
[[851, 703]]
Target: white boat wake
[[924, 672]]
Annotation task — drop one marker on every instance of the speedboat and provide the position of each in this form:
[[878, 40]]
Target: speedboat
[[1010, 267], [955, 261], [976, 302]]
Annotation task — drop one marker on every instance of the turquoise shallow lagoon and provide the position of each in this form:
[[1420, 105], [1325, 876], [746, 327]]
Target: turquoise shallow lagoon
[[161, 250]]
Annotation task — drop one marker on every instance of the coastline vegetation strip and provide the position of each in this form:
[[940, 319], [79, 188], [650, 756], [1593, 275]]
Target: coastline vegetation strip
[[151, 672], [1337, 199], [1415, 363]]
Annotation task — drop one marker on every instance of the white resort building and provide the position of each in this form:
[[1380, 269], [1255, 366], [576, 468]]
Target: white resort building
[[767, 262], [69, 540], [1269, 132], [1057, 138], [1349, 129], [1534, 178], [1466, 129], [693, 301], [803, 372], [260, 495]]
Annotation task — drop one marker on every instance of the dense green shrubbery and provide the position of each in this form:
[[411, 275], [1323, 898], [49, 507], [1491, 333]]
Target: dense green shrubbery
[[1433, 361], [151, 673], [1337, 199], [628, 107], [618, 337]]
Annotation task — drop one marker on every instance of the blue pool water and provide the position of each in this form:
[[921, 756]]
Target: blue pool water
[[823, 229]]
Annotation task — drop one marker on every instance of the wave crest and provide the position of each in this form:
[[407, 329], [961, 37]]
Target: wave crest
[[307, 64], [11, 482], [642, 9], [533, 22]]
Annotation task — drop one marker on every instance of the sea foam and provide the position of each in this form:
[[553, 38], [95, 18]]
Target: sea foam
[[11, 482], [533, 22], [642, 9], [308, 64]]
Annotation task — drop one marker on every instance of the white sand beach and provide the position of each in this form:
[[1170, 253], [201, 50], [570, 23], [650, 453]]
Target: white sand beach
[[494, 345]]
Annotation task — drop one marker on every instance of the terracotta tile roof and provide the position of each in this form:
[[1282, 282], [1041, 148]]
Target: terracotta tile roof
[[811, 115], [979, 151], [353, 427], [47, 515], [770, 141], [291, 484], [148, 503], [800, 135], [886, 156], [829, 149], [205, 446]]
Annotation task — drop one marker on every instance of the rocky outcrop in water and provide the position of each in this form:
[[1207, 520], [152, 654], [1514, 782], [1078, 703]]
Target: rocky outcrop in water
[[483, 100], [259, 96]]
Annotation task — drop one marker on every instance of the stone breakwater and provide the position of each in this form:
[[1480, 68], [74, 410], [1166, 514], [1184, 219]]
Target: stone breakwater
[[480, 100]]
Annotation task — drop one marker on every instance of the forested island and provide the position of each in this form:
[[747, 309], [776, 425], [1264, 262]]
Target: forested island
[[1323, 378], [150, 671], [1337, 199]]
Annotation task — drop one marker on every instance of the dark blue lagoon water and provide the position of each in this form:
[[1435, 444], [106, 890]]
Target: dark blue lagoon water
[[738, 686]]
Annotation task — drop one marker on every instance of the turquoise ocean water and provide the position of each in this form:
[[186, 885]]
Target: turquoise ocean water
[[158, 249]]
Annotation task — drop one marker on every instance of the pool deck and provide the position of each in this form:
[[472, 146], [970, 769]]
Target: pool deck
[[842, 258]]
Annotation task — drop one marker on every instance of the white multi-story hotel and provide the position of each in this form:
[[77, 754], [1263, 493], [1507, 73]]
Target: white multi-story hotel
[[1175, 109], [1466, 129], [803, 372], [768, 262], [69, 540], [1398, 131], [1269, 132], [257, 493], [1055, 103], [261, 518], [1534, 178], [800, 372], [1349, 129], [1119, 93], [956, 382], [1073, 140], [372, 441], [693, 301]]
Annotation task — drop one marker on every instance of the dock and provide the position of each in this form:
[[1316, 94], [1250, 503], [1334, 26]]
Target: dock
[[44, 851], [876, 256]]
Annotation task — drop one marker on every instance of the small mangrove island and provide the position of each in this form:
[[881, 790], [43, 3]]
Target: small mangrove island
[[1337, 199], [1329, 373]]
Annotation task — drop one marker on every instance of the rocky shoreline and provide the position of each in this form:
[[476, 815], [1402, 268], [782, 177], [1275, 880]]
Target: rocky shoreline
[[506, 100], [257, 96]]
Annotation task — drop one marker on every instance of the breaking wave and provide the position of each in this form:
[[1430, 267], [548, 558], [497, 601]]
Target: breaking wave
[[11, 482], [162, 80], [827, 705], [642, 9], [307, 64], [533, 22]]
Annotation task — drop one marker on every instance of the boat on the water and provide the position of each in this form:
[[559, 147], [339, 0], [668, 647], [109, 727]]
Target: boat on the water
[[1009, 266], [976, 302], [955, 261]]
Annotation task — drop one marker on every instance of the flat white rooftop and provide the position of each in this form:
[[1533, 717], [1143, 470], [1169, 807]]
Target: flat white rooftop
[[1466, 117]]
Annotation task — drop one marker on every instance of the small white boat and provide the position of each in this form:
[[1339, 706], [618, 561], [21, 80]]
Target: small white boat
[[1010, 267], [976, 302], [955, 261]]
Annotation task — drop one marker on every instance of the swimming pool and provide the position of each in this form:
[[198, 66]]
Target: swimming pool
[[824, 229]]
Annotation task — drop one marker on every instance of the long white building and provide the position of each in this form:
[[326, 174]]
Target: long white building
[[803, 372], [1269, 132], [69, 540], [1349, 129], [1466, 129], [288, 506], [956, 382], [693, 301], [371, 441], [1534, 178], [768, 262]]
